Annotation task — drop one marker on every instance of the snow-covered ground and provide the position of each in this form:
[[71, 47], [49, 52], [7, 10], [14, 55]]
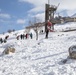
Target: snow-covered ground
[[40, 57], [65, 26]]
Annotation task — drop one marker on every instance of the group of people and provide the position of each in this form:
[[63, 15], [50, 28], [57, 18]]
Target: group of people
[[4, 40], [23, 36]]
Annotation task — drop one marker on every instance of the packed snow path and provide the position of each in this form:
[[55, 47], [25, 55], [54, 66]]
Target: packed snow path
[[39, 57]]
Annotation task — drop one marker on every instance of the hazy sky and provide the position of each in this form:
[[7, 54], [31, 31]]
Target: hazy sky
[[15, 14]]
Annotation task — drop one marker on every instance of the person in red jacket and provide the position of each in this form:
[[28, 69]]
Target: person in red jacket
[[48, 28], [49, 24]]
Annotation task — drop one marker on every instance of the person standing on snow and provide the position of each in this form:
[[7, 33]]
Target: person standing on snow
[[21, 36], [48, 28], [31, 35], [26, 36]]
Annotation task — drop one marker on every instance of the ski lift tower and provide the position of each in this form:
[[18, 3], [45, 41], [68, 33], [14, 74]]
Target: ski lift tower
[[49, 14]]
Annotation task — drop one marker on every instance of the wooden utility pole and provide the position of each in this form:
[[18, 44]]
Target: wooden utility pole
[[49, 15], [46, 15], [48, 1]]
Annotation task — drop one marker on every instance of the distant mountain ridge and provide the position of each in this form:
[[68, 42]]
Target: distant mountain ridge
[[74, 15]]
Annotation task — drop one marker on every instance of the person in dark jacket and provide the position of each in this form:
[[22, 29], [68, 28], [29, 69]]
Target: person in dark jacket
[[1, 40], [26, 36], [17, 37], [21, 36], [6, 37], [5, 41], [31, 35]]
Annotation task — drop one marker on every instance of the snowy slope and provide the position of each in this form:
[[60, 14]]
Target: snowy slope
[[39, 57], [65, 26]]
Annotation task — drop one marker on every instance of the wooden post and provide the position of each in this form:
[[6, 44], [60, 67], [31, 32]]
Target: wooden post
[[46, 15], [49, 15]]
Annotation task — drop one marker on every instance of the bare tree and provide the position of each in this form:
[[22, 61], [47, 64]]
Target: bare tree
[[36, 29], [30, 23], [34, 25], [9, 31]]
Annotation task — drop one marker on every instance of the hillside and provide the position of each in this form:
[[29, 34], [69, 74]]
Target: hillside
[[40, 57]]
